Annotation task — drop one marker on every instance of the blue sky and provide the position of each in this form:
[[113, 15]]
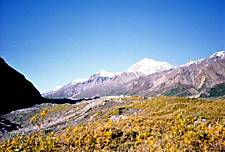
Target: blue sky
[[55, 41]]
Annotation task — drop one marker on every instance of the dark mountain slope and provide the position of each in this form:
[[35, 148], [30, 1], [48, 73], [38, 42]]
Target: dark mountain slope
[[16, 91]]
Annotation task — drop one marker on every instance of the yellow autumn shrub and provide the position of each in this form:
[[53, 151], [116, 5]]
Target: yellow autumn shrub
[[163, 124]]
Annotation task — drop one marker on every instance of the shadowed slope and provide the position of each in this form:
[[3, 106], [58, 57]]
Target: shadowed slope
[[16, 91]]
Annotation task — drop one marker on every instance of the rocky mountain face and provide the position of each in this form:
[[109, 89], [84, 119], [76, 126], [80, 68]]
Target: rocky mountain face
[[194, 79], [16, 91], [74, 88], [153, 78], [100, 84]]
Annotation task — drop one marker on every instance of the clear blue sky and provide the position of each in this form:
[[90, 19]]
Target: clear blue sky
[[55, 41]]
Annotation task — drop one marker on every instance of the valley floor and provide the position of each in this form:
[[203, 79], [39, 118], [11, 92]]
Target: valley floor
[[120, 124]]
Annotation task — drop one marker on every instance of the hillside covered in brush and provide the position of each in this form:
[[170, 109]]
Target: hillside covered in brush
[[123, 124]]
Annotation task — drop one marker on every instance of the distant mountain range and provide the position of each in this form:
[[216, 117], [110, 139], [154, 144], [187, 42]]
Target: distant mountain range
[[201, 78]]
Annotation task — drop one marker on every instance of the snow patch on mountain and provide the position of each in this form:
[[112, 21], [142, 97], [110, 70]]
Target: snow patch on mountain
[[192, 62], [51, 91], [104, 73], [220, 54], [148, 66], [56, 88]]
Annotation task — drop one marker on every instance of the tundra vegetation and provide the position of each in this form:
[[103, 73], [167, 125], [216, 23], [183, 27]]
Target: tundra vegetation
[[156, 124]]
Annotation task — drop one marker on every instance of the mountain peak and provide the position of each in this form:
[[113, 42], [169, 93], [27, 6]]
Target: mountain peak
[[191, 62], [146, 60], [148, 66], [104, 73], [218, 54]]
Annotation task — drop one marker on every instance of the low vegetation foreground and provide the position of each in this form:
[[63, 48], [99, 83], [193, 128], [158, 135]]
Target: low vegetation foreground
[[126, 124]]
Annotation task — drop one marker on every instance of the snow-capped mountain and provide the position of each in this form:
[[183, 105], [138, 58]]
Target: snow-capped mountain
[[148, 66], [151, 78], [196, 78], [220, 54], [192, 62], [76, 86], [101, 76], [143, 67], [104, 73]]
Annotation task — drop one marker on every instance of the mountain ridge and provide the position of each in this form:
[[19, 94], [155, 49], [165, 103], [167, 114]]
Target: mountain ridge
[[136, 70], [193, 79]]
